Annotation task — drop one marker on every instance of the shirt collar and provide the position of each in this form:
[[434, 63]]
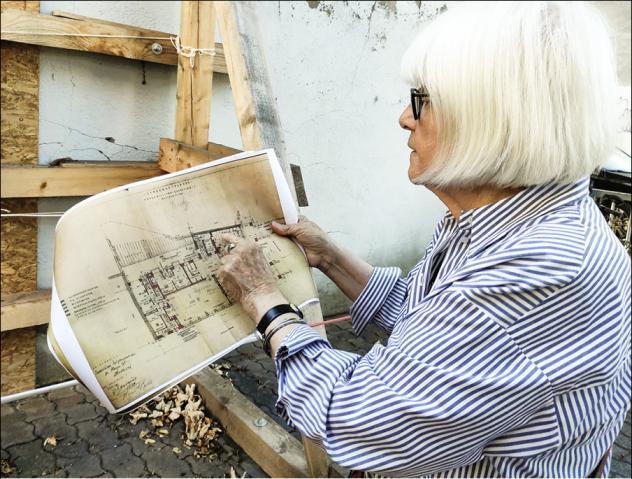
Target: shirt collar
[[483, 225]]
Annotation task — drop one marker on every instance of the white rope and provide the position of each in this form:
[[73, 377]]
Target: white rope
[[190, 52], [185, 51]]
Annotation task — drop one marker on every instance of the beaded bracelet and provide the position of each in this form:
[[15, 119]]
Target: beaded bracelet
[[268, 336]]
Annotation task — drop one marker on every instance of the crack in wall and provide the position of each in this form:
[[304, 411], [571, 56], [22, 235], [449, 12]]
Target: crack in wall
[[107, 139]]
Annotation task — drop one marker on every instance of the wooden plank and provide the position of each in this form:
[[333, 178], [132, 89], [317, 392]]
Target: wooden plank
[[176, 155], [21, 310], [194, 82], [317, 460], [72, 179], [267, 443], [259, 123], [16, 24]]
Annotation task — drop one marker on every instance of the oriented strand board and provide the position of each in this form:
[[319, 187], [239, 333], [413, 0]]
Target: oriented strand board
[[18, 360], [20, 88], [18, 240], [19, 128]]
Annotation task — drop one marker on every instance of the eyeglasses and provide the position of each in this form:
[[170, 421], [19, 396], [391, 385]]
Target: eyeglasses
[[417, 99]]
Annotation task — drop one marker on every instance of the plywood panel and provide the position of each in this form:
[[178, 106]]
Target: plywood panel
[[18, 360], [19, 128]]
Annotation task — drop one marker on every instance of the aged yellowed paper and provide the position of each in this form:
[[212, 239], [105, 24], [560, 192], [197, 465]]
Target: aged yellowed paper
[[135, 272]]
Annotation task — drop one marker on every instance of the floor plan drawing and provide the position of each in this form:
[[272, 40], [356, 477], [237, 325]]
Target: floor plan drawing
[[172, 280]]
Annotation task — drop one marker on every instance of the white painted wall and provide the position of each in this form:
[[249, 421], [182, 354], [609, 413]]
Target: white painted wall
[[334, 70]]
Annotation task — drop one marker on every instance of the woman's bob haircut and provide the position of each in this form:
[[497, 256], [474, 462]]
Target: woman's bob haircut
[[523, 93]]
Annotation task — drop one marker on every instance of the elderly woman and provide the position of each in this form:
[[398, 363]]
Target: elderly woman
[[509, 349]]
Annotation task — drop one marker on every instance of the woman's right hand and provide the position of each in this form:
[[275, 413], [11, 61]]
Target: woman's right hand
[[319, 248]]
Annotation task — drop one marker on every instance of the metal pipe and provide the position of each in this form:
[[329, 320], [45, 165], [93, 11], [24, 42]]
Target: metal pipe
[[35, 392]]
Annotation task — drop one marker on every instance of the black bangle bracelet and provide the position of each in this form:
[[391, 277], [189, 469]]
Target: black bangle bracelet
[[274, 313], [277, 328]]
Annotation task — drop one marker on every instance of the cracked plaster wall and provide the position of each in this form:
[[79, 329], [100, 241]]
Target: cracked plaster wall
[[334, 70]]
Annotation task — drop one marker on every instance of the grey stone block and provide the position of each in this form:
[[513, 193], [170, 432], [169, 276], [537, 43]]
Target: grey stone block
[[97, 435], [15, 430], [62, 393], [36, 407], [71, 449], [7, 410], [163, 462], [121, 462], [203, 467], [32, 460], [80, 412], [251, 469], [66, 402], [88, 465], [55, 425]]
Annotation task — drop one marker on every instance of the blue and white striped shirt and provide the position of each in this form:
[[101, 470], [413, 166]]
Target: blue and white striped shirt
[[513, 362]]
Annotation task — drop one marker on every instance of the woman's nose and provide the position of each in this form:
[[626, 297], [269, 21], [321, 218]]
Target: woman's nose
[[407, 120]]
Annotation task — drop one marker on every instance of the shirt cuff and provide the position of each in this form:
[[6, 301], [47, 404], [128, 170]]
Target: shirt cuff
[[296, 341], [372, 297]]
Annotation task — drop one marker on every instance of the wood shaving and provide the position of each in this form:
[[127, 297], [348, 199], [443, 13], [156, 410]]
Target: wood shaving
[[221, 369], [233, 474], [7, 468], [50, 441], [177, 405], [177, 450]]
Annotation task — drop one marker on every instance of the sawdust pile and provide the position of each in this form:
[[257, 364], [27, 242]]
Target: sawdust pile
[[175, 405]]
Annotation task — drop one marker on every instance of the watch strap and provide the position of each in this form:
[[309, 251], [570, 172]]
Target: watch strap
[[274, 313]]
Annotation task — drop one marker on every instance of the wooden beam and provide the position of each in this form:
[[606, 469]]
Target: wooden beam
[[259, 123], [21, 310], [176, 155], [17, 25], [268, 444], [72, 179], [195, 80]]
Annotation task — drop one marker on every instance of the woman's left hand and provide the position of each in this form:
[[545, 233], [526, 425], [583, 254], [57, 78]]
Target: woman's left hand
[[247, 277]]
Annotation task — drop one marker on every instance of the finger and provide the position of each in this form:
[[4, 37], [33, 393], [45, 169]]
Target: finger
[[227, 238], [228, 242], [280, 228]]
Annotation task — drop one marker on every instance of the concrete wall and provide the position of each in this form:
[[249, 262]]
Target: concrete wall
[[334, 70]]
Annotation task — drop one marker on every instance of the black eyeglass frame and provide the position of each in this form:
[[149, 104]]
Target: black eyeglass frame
[[417, 101]]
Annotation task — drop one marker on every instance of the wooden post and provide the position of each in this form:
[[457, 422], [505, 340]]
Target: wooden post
[[193, 93], [259, 123]]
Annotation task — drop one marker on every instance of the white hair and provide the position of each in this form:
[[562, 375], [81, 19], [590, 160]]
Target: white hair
[[523, 93]]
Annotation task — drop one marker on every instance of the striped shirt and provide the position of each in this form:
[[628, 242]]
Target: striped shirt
[[513, 362]]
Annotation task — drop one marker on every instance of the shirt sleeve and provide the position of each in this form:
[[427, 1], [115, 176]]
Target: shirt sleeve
[[449, 382], [381, 300]]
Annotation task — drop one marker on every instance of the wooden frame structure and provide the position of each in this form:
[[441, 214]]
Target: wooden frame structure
[[276, 452]]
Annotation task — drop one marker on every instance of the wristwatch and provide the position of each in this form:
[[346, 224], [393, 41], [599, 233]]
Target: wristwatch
[[274, 313]]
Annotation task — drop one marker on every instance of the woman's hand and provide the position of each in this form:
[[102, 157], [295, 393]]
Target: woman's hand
[[319, 248], [247, 277]]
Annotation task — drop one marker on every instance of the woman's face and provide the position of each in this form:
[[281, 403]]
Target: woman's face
[[422, 139]]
